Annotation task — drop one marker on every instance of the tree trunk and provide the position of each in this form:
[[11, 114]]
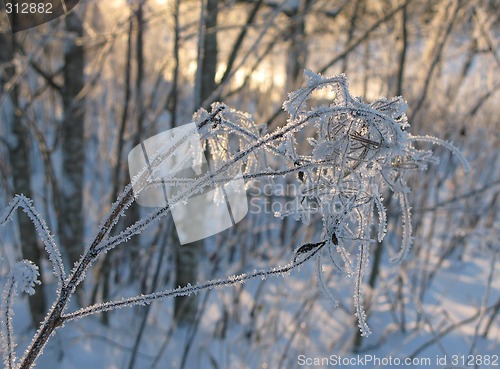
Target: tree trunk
[[402, 45], [133, 215], [297, 50], [209, 59], [19, 150], [73, 155], [186, 258]]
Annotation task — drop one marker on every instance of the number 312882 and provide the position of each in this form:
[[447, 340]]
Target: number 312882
[[29, 8]]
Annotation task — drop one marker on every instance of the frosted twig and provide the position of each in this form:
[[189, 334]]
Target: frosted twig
[[7, 331], [189, 289], [321, 280], [448, 145], [407, 229], [21, 201], [358, 294], [382, 217]]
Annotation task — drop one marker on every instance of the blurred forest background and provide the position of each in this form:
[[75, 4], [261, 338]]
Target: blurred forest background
[[78, 93]]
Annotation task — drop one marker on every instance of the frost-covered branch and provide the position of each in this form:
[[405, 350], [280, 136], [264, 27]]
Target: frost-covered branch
[[7, 334], [446, 144], [189, 289], [21, 201], [23, 276], [357, 151]]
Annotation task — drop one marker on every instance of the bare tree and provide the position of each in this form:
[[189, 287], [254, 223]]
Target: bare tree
[[73, 142], [297, 49], [186, 256], [19, 155]]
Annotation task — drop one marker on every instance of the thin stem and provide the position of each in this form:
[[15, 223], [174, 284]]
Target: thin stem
[[9, 296], [188, 290]]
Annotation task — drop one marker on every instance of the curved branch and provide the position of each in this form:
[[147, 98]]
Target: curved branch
[[26, 204], [189, 289]]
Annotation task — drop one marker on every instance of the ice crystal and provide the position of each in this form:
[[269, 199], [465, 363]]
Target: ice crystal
[[26, 276]]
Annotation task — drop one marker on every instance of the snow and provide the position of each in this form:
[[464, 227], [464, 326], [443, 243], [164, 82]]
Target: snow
[[455, 294]]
